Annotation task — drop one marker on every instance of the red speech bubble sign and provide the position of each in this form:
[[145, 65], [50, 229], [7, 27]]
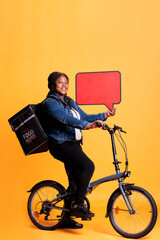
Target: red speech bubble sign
[[98, 88]]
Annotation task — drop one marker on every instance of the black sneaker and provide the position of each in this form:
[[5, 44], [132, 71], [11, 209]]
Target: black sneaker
[[80, 211], [70, 223]]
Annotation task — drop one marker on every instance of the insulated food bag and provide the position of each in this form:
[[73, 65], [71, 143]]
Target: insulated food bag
[[28, 128]]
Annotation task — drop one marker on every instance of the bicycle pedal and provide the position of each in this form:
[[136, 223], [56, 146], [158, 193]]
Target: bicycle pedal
[[86, 219]]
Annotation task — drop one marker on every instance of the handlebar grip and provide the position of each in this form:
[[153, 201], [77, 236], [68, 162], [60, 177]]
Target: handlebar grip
[[104, 126], [98, 124]]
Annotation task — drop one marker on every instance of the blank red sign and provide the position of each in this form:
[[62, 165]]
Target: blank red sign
[[98, 88]]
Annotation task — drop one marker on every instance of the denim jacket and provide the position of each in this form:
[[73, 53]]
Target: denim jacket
[[60, 121]]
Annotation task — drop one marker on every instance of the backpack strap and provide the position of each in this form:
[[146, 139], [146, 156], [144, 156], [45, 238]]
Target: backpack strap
[[67, 100], [58, 100]]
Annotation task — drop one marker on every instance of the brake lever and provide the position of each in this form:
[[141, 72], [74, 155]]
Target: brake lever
[[118, 128], [123, 131]]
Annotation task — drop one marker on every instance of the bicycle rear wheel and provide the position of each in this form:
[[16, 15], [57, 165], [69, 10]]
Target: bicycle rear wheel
[[43, 213], [139, 223]]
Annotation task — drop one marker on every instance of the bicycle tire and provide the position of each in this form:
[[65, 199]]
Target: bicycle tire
[[41, 194], [135, 225]]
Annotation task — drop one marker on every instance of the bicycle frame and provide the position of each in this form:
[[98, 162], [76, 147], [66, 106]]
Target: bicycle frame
[[118, 176]]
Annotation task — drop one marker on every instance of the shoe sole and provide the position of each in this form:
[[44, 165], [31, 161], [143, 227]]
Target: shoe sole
[[83, 216]]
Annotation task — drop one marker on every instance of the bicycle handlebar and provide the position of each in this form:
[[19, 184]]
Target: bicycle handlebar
[[110, 130]]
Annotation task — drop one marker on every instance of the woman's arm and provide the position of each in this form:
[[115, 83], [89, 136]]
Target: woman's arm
[[107, 114], [93, 117], [53, 108]]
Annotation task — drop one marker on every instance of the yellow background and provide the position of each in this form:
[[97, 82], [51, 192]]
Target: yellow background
[[41, 36]]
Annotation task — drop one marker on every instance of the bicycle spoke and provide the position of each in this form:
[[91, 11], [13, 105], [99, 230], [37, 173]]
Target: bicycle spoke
[[137, 223], [42, 195]]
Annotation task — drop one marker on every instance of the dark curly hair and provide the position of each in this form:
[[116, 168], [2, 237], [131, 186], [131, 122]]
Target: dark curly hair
[[53, 77]]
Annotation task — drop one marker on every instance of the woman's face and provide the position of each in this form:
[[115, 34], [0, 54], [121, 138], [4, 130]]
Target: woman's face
[[61, 86]]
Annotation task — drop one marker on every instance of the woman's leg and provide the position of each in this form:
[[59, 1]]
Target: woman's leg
[[77, 164], [81, 168]]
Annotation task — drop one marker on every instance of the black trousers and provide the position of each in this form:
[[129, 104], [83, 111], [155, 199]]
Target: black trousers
[[78, 166]]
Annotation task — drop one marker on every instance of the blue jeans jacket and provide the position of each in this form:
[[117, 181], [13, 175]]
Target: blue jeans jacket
[[60, 122]]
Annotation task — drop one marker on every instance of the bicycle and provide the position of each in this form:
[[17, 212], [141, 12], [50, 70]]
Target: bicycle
[[132, 210]]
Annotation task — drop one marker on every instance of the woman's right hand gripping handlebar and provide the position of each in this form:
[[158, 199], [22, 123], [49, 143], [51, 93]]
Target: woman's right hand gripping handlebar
[[95, 125]]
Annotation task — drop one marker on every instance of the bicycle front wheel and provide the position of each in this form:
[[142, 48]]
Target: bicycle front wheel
[[45, 213], [136, 224]]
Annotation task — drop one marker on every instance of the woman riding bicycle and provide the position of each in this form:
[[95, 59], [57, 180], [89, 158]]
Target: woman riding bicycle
[[65, 120]]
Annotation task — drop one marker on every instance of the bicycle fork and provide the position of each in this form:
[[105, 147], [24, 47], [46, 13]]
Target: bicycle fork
[[126, 196], [124, 191]]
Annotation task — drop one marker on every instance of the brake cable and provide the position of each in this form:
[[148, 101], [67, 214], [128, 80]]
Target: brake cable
[[124, 147]]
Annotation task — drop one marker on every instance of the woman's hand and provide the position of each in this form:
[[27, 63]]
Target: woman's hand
[[110, 113], [94, 125]]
